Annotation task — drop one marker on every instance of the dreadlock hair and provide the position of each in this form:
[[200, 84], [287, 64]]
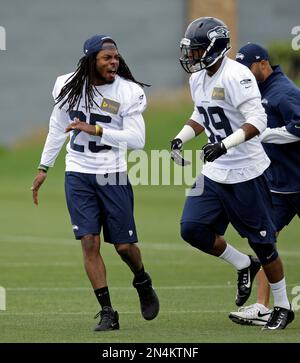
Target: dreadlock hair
[[72, 91], [125, 72]]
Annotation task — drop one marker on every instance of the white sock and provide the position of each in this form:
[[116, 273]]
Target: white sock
[[238, 259], [279, 294]]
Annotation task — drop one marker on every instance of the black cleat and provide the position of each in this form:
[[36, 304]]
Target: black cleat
[[279, 318], [109, 319], [148, 299], [245, 279]]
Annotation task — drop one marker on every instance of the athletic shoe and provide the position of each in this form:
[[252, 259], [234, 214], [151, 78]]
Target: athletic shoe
[[245, 279], [279, 318], [148, 299], [109, 319], [256, 314]]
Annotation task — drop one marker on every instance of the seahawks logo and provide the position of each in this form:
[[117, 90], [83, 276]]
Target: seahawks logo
[[240, 56], [245, 81], [218, 32]]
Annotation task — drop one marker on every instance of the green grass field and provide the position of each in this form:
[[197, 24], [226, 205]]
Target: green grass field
[[49, 298]]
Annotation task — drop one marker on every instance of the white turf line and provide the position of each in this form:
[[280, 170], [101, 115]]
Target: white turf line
[[146, 245], [295, 263], [72, 289], [137, 312]]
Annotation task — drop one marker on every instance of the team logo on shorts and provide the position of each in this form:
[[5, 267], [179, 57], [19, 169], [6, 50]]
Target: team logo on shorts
[[110, 106], [218, 93]]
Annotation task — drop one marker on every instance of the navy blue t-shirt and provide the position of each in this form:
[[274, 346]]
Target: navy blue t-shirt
[[281, 99]]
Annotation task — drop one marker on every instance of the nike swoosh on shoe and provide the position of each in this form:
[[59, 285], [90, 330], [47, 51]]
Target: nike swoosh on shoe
[[260, 315]]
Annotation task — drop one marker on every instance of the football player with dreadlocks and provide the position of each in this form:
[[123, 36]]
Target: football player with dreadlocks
[[100, 106], [228, 108]]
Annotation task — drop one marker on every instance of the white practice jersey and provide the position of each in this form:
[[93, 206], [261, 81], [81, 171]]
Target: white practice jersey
[[118, 110], [223, 103]]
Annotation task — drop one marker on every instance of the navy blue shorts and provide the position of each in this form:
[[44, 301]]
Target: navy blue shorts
[[286, 206], [93, 203], [247, 206]]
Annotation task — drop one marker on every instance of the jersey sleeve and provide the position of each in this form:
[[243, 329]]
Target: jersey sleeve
[[196, 116], [56, 137], [136, 104], [254, 113], [289, 108], [132, 135], [241, 87], [278, 135]]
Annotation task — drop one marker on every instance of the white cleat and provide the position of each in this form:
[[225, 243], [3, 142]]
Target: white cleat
[[255, 314]]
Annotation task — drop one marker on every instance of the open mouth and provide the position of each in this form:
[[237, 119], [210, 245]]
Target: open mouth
[[112, 72]]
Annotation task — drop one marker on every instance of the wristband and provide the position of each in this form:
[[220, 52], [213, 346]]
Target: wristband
[[43, 167], [234, 139], [187, 133], [98, 129]]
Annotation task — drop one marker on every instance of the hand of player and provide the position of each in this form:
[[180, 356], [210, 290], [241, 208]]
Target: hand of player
[[176, 144], [213, 151], [82, 126], [38, 181]]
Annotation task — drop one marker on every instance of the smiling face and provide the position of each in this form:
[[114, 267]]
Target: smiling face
[[107, 64]]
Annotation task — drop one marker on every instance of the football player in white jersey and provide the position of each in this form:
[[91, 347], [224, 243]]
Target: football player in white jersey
[[228, 108], [100, 107]]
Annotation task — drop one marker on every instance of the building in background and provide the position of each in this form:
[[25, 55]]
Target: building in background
[[44, 39]]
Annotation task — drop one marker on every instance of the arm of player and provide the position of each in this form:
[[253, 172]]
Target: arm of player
[[37, 183], [256, 122], [278, 135], [289, 109], [132, 136], [190, 130], [54, 142], [77, 124], [56, 137]]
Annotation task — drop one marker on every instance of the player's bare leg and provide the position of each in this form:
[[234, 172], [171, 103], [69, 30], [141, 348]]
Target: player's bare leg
[[274, 271], [219, 246], [263, 289], [131, 255], [93, 262], [96, 271]]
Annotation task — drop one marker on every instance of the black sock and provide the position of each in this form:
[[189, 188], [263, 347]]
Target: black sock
[[103, 296], [140, 275]]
